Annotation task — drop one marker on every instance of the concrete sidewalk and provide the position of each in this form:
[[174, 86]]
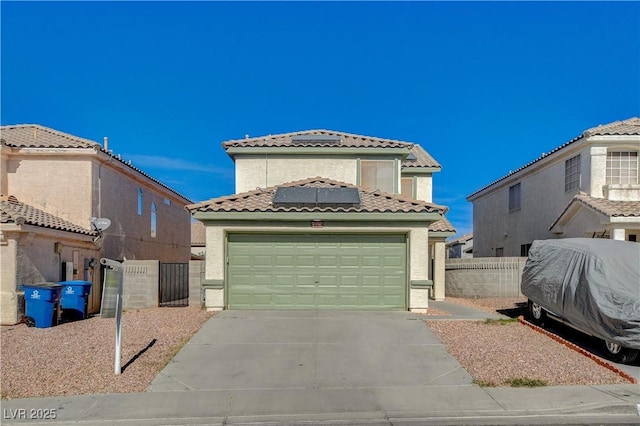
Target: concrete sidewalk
[[327, 367], [439, 405]]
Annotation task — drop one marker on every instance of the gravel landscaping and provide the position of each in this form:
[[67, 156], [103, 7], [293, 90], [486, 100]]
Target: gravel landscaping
[[499, 353], [78, 357]]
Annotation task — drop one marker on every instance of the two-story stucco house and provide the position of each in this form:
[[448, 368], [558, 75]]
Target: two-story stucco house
[[588, 187], [461, 247], [325, 219], [52, 184]]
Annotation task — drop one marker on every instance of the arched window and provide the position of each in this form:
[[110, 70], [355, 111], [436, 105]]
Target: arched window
[[154, 220], [139, 201]]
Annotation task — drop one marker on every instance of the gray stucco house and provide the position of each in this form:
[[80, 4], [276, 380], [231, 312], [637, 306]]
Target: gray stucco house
[[587, 187]]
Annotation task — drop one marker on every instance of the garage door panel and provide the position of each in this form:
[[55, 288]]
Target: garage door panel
[[283, 260], [303, 260], [317, 271]]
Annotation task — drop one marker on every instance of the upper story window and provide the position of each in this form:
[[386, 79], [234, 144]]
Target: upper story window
[[572, 173], [378, 174], [514, 197], [154, 220], [622, 167], [140, 201], [406, 187]]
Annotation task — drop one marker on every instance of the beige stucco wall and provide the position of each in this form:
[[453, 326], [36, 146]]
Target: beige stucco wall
[[115, 196], [264, 171], [8, 292], [216, 250], [260, 172], [76, 185], [57, 184], [424, 188], [35, 256]]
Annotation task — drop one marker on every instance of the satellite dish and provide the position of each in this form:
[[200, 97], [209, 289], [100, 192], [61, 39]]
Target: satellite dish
[[100, 223]]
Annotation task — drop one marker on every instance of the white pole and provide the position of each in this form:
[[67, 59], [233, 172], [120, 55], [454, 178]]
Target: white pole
[[118, 369], [117, 268]]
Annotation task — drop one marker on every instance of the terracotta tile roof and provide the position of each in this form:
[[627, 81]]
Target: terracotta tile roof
[[606, 207], [461, 240], [36, 136], [443, 225], [423, 159], [610, 207], [628, 127], [341, 140], [197, 234], [13, 211], [260, 200]]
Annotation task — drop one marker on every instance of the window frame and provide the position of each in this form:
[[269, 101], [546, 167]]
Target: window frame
[[625, 164], [389, 188], [572, 174], [140, 202], [412, 179], [154, 220], [515, 197]]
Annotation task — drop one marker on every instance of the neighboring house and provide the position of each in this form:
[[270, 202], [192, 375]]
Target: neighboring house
[[52, 184], [461, 247], [587, 187], [325, 219], [197, 241]]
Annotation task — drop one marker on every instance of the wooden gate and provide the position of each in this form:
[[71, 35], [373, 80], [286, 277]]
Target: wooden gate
[[174, 284]]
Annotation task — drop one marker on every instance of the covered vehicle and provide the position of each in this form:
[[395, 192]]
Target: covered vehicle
[[592, 285]]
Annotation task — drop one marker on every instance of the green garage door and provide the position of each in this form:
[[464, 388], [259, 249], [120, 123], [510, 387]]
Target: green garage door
[[300, 271]]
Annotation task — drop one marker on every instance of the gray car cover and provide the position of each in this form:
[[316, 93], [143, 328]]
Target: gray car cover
[[594, 284]]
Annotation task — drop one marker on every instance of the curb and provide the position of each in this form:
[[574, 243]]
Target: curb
[[578, 349]]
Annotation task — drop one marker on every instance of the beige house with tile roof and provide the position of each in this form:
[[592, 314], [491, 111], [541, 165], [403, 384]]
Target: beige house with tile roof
[[461, 247], [363, 233], [588, 187], [52, 184], [197, 240]]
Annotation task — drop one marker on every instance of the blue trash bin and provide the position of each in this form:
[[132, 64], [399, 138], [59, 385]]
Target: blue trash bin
[[75, 299], [42, 304]]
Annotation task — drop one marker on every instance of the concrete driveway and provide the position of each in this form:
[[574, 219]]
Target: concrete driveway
[[289, 350]]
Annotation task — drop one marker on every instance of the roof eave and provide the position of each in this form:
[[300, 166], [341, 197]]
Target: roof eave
[[444, 234], [425, 217], [292, 150], [420, 170]]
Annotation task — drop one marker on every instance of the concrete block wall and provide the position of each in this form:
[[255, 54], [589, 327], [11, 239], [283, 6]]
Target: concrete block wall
[[484, 277], [140, 284], [196, 275]]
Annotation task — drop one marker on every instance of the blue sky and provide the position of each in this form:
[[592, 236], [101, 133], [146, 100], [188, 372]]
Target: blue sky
[[484, 87]]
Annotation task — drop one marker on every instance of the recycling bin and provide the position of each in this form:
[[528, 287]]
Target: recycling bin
[[42, 304], [75, 299]]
